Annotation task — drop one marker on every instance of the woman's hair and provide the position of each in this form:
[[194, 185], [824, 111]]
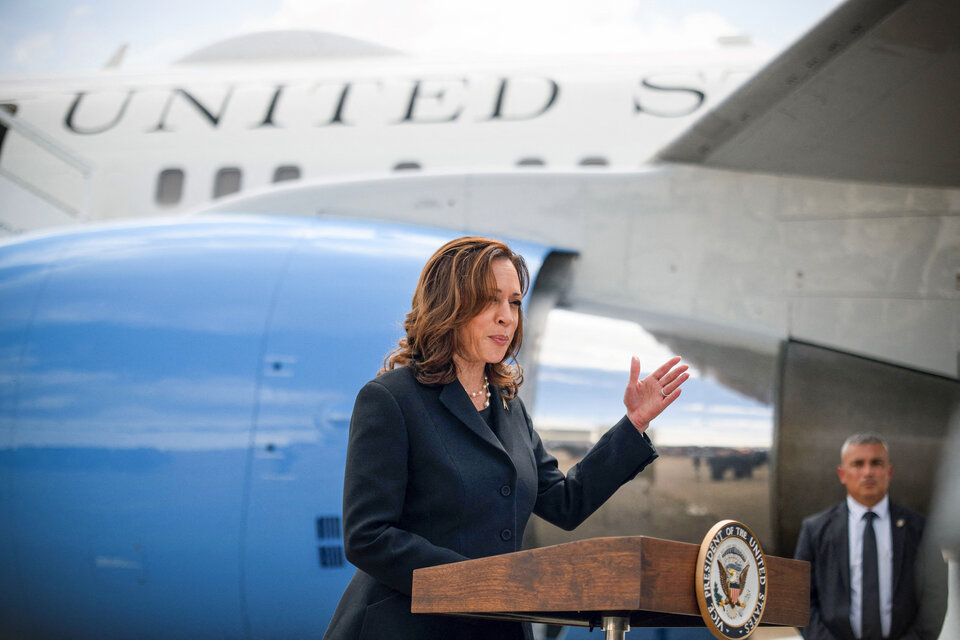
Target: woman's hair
[[456, 284]]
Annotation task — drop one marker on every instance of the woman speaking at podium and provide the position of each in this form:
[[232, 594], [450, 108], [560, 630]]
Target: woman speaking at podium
[[443, 463]]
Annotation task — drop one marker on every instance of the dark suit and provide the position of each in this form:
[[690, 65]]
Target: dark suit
[[919, 584], [428, 483]]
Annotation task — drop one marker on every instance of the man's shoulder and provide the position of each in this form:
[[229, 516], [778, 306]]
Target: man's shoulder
[[899, 511], [819, 532], [821, 519]]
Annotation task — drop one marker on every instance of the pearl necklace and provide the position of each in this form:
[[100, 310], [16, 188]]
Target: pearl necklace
[[485, 389]]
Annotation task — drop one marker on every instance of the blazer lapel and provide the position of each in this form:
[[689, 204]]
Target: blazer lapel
[[898, 538], [455, 399], [506, 420], [839, 537], [511, 428]]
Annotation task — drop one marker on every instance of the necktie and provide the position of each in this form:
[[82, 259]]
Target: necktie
[[871, 582]]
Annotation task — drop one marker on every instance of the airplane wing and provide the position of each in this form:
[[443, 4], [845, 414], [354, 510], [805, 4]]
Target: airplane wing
[[870, 94]]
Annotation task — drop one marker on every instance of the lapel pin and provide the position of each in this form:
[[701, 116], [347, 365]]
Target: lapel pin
[[504, 400], [900, 522]]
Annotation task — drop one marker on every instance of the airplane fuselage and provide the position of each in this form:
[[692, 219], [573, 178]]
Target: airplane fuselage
[[200, 133]]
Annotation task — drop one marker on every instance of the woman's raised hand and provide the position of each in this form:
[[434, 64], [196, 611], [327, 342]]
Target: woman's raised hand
[[646, 399]]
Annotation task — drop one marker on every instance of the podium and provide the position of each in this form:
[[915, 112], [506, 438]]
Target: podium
[[608, 583]]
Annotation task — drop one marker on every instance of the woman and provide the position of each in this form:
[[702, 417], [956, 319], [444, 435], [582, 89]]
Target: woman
[[443, 463]]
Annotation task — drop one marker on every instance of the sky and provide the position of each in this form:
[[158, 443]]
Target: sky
[[65, 36]]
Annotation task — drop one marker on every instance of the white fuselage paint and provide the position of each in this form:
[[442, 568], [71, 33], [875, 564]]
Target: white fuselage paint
[[346, 117]]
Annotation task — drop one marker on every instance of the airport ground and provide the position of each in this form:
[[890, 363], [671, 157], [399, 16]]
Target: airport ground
[[672, 499]]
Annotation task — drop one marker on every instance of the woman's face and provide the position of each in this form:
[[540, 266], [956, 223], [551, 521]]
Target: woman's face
[[486, 337]]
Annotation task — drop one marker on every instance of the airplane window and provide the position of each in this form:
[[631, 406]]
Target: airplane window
[[531, 162], [229, 180], [330, 556], [170, 186], [286, 172], [594, 161], [328, 527], [406, 165]]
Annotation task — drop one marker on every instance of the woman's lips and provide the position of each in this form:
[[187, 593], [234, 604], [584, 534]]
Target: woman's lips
[[501, 340]]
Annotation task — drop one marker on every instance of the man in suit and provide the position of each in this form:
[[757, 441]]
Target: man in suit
[[872, 577]]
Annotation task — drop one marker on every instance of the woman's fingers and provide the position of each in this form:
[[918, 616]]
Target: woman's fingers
[[665, 367]]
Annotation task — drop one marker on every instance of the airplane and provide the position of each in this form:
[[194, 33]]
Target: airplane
[[177, 390], [265, 109]]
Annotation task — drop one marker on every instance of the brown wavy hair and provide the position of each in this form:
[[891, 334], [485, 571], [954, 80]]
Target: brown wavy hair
[[456, 284]]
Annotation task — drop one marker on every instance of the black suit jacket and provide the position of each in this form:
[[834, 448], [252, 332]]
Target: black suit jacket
[[428, 482], [919, 576]]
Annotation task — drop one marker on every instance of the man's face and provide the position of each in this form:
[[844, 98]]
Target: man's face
[[865, 471]]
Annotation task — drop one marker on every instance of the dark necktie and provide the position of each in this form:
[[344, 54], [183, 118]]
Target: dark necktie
[[871, 583]]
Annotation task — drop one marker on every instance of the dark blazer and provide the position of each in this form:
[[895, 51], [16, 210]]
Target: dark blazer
[[919, 576], [428, 482]]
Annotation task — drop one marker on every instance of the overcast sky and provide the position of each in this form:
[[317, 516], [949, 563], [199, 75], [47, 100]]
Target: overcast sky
[[41, 36]]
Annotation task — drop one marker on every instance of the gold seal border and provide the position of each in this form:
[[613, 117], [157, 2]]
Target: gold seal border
[[698, 579]]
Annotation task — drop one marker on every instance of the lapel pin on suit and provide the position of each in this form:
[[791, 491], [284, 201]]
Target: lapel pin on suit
[[504, 400], [900, 522]]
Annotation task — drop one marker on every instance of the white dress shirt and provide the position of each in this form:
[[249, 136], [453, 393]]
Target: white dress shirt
[[881, 527]]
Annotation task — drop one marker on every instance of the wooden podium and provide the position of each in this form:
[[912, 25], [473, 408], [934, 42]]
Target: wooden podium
[[609, 583]]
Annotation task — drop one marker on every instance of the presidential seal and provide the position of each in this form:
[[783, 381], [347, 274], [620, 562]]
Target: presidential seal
[[731, 580]]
